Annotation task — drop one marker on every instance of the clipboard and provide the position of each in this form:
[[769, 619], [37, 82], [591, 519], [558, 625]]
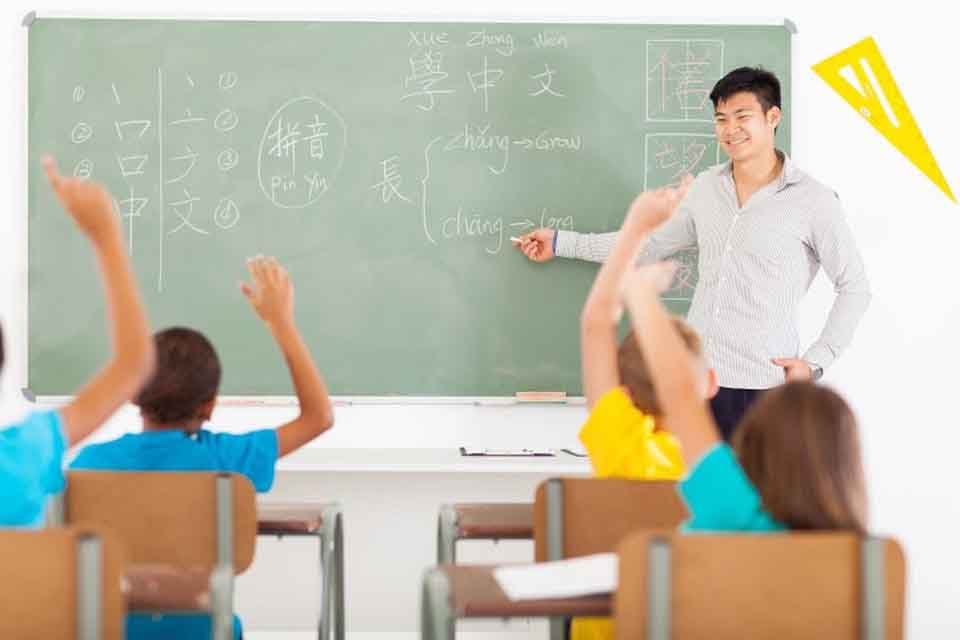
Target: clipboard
[[506, 453]]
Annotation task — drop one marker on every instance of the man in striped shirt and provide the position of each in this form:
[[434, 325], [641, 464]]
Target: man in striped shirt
[[763, 229]]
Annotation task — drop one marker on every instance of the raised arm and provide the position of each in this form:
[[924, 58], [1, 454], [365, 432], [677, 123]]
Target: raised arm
[[132, 353], [602, 311], [271, 296], [675, 377]]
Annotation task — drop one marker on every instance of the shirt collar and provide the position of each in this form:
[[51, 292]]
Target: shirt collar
[[789, 174]]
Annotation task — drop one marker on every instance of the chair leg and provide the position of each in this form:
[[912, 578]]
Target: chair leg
[[436, 615], [221, 602], [447, 535], [558, 628], [331, 560], [340, 619]]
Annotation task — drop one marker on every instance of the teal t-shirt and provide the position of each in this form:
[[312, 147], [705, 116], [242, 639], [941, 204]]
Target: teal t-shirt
[[720, 496], [31, 468], [252, 454]]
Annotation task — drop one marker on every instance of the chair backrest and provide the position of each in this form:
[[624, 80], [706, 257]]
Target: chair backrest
[[794, 585], [191, 520], [61, 583], [579, 516]]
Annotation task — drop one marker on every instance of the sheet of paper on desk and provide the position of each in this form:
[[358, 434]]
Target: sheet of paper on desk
[[561, 579]]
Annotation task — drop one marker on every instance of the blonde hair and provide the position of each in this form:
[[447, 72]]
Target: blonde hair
[[800, 447], [635, 375]]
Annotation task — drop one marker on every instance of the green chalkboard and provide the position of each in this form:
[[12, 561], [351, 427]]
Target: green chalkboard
[[386, 164]]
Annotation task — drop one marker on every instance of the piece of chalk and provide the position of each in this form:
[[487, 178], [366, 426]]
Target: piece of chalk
[[513, 239]]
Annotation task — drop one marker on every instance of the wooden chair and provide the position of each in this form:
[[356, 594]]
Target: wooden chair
[[785, 586], [571, 517], [582, 516], [200, 523], [61, 583]]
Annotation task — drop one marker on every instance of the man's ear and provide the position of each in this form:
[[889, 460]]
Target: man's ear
[[774, 115]]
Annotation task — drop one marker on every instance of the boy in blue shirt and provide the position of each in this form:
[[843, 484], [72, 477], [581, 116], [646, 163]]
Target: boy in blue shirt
[[180, 398], [31, 451]]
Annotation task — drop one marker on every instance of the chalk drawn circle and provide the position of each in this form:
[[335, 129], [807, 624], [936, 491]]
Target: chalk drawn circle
[[226, 214], [83, 170], [81, 133], [78, 93], [226, 120], [228, 159], [228, 80], [277, 182]]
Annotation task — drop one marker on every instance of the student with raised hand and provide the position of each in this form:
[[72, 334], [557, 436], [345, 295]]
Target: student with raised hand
[[180, 399], [31, 451], [628, 434], [794, 462]]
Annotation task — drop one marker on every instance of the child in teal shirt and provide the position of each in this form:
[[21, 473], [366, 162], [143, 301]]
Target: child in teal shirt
[[31, 451], [794, 462]]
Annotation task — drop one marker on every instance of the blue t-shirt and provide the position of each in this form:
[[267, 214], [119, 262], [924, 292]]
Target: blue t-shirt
[[166, 626], [253, 454], [31, 468], [721, 497]]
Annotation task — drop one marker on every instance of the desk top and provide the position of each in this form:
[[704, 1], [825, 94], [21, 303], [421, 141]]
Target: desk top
[[475, 593], [322, 459]]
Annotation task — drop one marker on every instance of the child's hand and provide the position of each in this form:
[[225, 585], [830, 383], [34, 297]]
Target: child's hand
[[649, 279], [88, 203], [652, 208], [271, 295]]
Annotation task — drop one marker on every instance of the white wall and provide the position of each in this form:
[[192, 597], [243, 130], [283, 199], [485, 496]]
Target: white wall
[[900, 373]]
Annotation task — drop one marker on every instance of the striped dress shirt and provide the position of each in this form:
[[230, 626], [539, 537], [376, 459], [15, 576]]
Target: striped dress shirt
[[755, 264]]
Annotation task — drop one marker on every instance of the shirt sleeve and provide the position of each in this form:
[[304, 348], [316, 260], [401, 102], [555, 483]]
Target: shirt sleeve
[[833, 243], [592, 247], [720, 496], [622, 442], [603, 433], [253, 454], [676, 234], [43, 443], [31, 468]]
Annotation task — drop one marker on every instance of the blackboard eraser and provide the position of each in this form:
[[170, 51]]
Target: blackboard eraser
[[540, 396]]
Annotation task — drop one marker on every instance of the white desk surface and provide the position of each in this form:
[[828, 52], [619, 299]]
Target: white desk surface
[[321, 459]]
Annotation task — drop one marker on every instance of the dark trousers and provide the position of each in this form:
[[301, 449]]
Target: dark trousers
[[728, 407]]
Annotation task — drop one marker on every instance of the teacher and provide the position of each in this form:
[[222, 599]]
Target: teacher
[[763, 229]]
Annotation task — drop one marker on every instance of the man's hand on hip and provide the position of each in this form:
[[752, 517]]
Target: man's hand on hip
[[797, 370]]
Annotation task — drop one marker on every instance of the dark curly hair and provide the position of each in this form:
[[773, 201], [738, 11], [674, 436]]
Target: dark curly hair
[[187, 376]]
